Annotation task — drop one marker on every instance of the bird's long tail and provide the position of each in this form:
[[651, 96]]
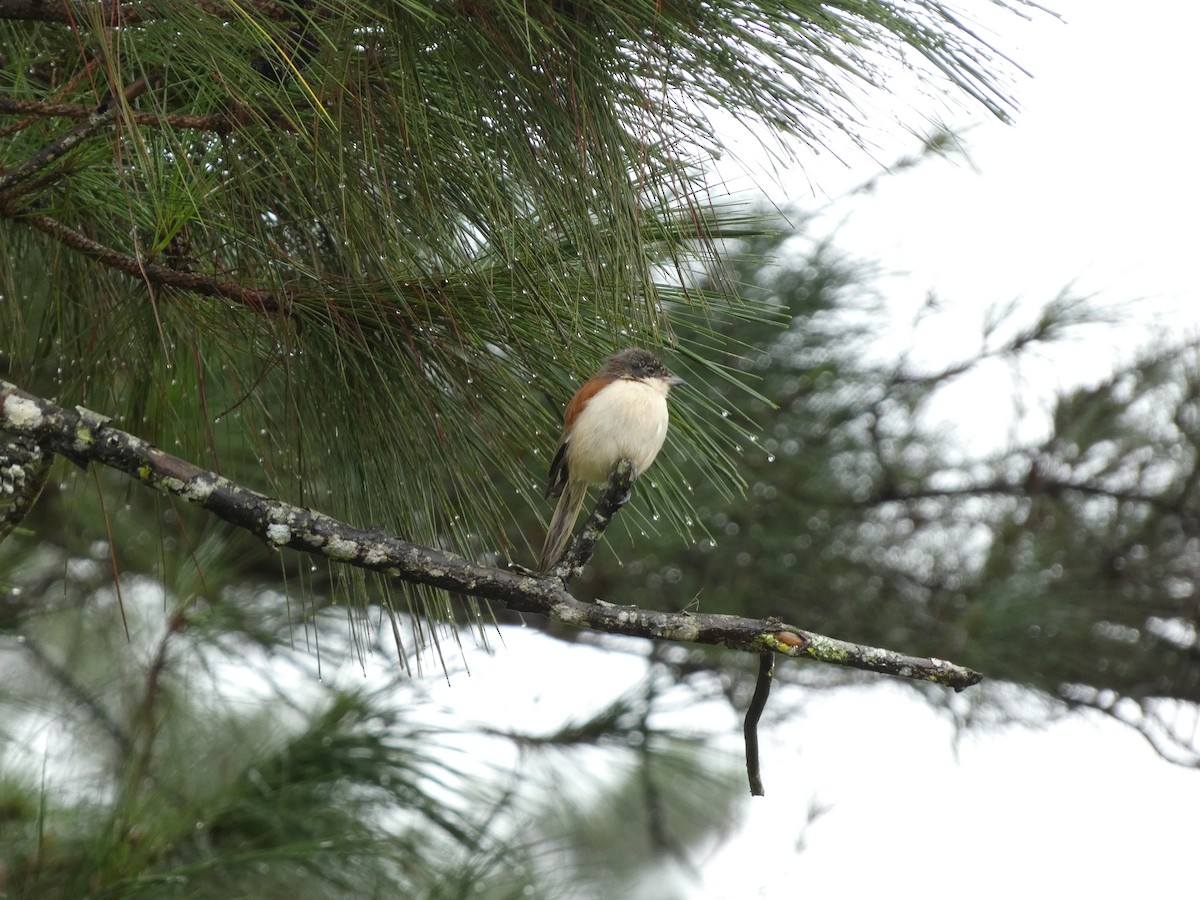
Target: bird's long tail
[[561, 524]]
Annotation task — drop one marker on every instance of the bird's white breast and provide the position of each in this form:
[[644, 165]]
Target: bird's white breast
[[626, 420]]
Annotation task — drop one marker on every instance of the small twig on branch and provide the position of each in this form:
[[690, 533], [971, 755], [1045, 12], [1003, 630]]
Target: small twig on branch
[[762, 690], [156, 273], [14, 182], [85, 436], [616, 495], [55, 150]]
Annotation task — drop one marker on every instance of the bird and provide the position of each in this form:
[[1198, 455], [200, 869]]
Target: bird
[[618, 413]]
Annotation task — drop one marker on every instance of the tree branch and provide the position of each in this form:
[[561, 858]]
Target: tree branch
[[1003, 487], [616, 495], [11, 186], [98, 118], [758, 703], [155, 273], [24, 469], [217, 123], [84, 436]]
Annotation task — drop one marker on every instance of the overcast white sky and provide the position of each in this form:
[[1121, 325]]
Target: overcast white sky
[[1095, 183]]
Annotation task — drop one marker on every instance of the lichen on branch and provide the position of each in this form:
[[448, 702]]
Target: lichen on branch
[[87, 437]]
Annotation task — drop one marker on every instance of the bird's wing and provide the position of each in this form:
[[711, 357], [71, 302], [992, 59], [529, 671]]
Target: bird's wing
[[559, 473]]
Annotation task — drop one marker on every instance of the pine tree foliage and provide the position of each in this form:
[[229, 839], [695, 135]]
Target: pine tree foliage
[[196, 753], [359, 252]]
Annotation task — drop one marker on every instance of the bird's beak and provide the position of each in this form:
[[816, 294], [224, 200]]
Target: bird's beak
[[675, 380]]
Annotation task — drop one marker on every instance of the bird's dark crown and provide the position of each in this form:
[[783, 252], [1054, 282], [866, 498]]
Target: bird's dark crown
[[635, 363]]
